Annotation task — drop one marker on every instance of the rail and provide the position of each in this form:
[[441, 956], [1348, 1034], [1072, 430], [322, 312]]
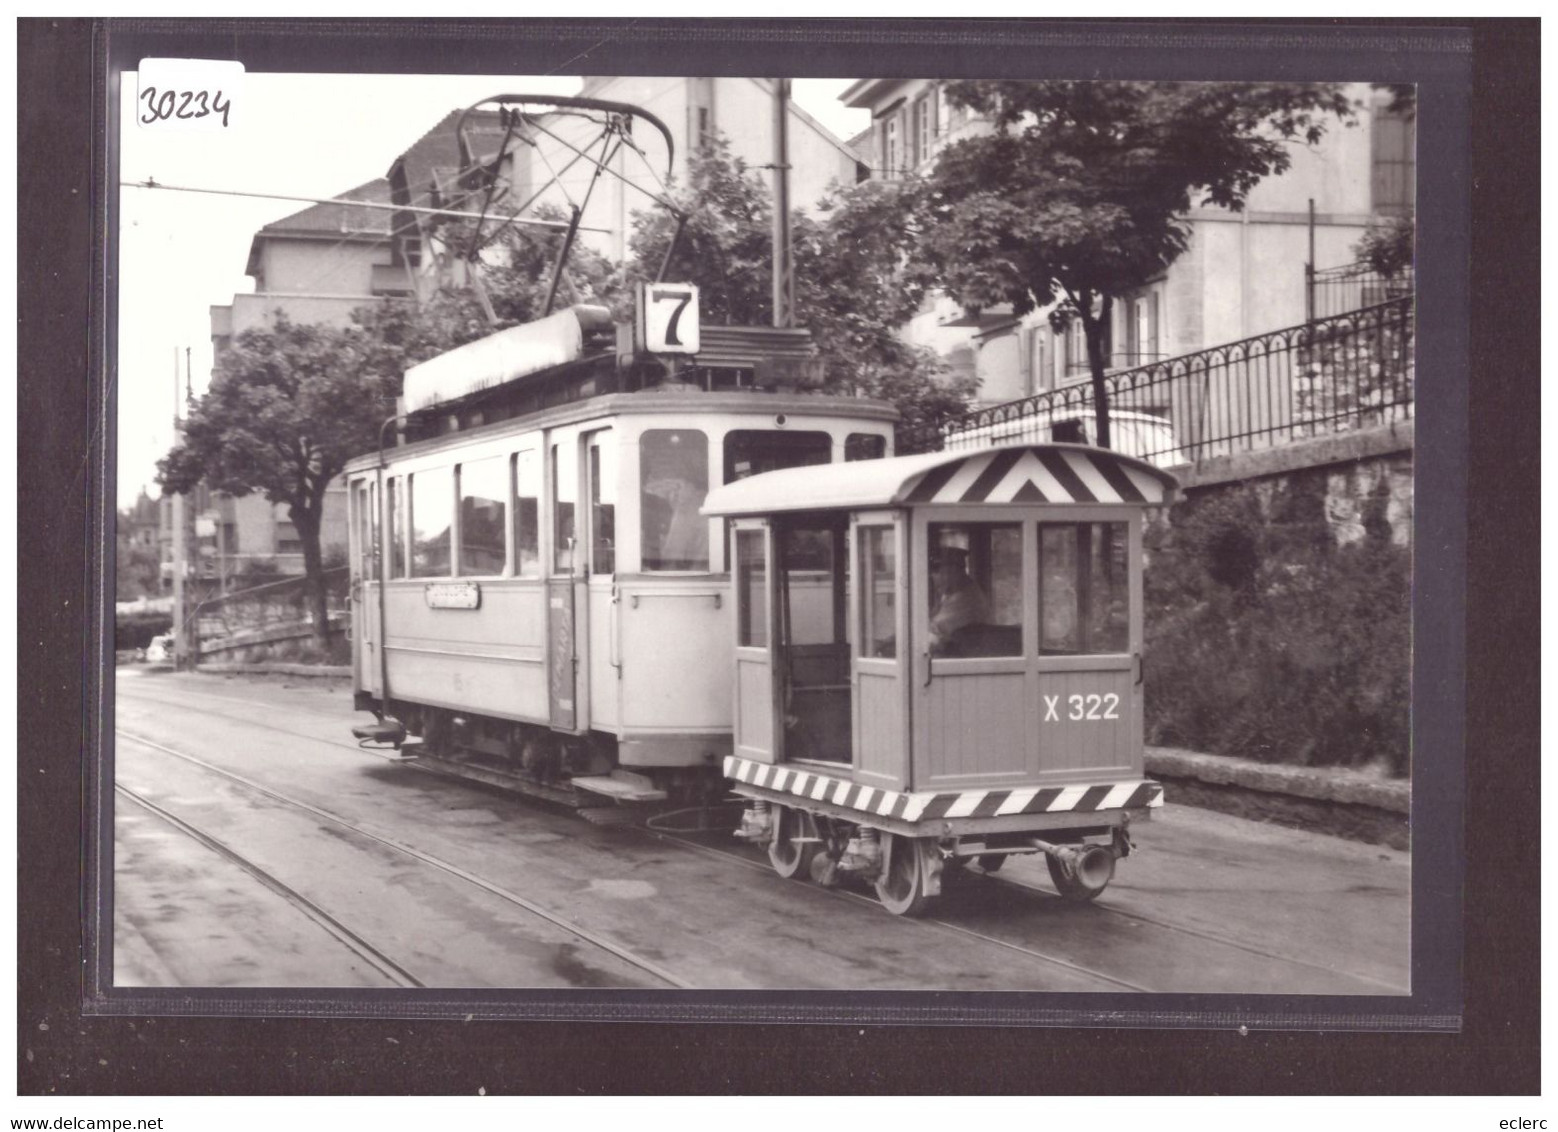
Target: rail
[[1331, 375], [1354, 286]]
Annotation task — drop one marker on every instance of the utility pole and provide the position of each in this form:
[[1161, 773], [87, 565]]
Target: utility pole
[[784, 266], [180, 550]]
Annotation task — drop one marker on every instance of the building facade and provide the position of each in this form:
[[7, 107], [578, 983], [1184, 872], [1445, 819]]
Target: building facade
[[1243, 273]]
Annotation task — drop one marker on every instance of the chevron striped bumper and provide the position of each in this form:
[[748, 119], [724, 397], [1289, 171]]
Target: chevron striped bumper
[[869, 802]]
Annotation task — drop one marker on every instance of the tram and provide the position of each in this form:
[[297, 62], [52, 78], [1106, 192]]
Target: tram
[[938, 662], [537, 600]]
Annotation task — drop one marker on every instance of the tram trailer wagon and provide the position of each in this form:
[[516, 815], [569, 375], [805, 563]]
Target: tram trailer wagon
[[937, 661]]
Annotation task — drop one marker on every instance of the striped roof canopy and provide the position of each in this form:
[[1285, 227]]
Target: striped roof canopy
[[1026, 473]]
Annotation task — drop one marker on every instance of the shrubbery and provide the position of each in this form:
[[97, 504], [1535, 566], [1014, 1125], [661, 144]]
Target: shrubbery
[[1266, 640]]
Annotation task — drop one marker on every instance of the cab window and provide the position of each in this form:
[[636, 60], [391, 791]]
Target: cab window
[[878, 595], [673, 467], [750, 452], [1084, 588], [975, 572]]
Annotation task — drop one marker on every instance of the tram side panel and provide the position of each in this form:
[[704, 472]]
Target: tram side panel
[[491, 659], [675, 675]]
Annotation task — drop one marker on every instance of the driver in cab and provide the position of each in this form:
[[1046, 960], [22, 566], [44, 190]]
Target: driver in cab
[[957, 600]]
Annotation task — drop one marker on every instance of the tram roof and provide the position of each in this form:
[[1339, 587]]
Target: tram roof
[[1022, 473]]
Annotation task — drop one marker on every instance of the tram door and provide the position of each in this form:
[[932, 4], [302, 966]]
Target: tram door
[[364, 598], [879, 670], [756, 734], [562, 642]]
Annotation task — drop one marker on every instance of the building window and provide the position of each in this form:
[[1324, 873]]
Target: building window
[[920, 124], [891, 148], [1394, 160], [1040, 367], [673, 466]]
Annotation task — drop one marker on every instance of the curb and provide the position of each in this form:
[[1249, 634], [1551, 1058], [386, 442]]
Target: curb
[[1344, 803]]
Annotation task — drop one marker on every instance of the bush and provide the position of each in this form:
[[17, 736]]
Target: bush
[[1267, 641]]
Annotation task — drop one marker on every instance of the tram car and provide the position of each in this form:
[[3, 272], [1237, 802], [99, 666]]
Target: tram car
[[938, 661], [537, 599]]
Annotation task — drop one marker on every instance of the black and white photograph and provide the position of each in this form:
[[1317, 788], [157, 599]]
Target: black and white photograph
[[737, 533], [774, 556]]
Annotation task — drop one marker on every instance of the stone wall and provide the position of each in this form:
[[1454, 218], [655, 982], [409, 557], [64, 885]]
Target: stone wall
[[1278, 605]]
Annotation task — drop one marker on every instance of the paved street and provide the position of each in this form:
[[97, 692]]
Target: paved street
[[256, 846]]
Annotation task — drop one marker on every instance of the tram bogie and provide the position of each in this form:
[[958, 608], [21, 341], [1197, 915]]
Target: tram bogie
[[938, 664]]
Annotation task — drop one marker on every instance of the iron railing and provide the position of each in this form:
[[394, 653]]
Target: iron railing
[[1332, 375], [1338, 290]]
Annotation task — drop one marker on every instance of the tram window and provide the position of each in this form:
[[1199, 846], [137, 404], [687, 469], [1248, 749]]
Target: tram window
[[864, 446], [565, 490], [483, 488], [527, 515], [603, 510], [751, 590], [879, 594], [673, 467], [749, 452], [432, 514], [976, 589], [367, 532], [396, 493], [1084, 590]]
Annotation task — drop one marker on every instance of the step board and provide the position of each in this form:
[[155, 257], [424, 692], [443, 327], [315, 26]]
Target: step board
[[624, 786]]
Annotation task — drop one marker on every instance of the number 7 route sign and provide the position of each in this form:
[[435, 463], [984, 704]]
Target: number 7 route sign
[[667, 320]]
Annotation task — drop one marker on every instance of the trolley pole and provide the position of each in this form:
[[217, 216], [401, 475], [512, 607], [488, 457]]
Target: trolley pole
[[784, 267]]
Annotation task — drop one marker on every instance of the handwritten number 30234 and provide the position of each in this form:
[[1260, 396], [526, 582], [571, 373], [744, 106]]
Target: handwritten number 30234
[[162, 105]]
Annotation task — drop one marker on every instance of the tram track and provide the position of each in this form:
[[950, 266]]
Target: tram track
[[1020, 888], [576, 930], [1032, 891], [930, 922], [375, 958]]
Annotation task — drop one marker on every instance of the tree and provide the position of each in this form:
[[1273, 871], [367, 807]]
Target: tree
[[288, 405], [514, 271], [1387, 245], [856, 283], [1080, 191], [138, 569]]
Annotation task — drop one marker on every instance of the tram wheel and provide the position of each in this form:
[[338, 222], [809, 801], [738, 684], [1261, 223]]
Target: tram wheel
[[1080, 889], [992, 862], [902, 885], [790, 855]]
